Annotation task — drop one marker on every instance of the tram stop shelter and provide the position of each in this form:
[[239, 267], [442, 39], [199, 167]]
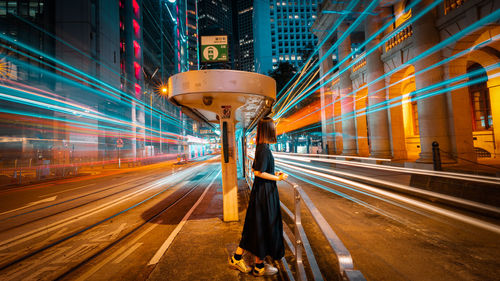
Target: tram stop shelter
[[233, 99]]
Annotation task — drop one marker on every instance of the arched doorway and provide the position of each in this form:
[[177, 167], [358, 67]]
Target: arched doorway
[[404, 115], [481, 115]]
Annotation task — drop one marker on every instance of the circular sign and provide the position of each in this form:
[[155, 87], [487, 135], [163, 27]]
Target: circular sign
[[210, 53], [119, 143]]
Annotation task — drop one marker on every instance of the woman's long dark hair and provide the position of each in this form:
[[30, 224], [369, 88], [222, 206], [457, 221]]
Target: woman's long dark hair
[[266, 132]]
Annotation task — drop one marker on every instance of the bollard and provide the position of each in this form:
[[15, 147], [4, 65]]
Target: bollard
[[436, 157], [20, 175]]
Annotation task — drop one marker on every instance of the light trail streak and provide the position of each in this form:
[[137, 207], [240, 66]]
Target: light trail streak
[[347, 33], [369, 109], [115, 92], [334, 156], [381, 43], [67, 44], [458, 176], [171, 119], [360, 191], [81, 123], [428, 207], [350, 7], [437, 47], [437, 92], [86, 111], [431, 194], [343, 195]]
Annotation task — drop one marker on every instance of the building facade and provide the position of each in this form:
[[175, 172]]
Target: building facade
[[283, 32], [91, 75], [215, 17], [245, 41], [428, 77]]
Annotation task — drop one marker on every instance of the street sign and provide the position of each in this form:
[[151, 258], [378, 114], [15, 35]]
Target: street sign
[[119, 143], [226, 111], [214, 48]]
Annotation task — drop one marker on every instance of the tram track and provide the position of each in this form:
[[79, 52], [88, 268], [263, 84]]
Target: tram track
[[30, 261], [7, 243], [143, 179], [75, 206]]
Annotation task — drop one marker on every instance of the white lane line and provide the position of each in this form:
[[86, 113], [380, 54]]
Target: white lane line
[[45, 229], [31, 204], [156, 258], [127, 253], [466, 219], [62, 191]]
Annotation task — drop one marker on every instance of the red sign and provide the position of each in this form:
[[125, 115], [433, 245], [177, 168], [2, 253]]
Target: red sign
[[119, 143]]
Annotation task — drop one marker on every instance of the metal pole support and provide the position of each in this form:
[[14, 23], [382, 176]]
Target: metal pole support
[[436, 157]]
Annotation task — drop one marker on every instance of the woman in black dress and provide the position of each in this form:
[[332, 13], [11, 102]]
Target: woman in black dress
[[263, 230]]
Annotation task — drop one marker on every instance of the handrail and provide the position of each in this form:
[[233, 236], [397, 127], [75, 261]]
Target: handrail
[[300, 241]]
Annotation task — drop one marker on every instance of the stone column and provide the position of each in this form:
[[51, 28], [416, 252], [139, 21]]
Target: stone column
[[326, 98], [378, 121], [347, 102], [432, 111]]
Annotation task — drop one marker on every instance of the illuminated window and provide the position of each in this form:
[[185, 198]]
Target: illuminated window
[[137, 49], [480, 99], [137, 90], [414, 115], [137, 27], [135, 5], [137, 70]]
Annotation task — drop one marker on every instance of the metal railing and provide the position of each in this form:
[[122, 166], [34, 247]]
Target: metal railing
[[299, 243]]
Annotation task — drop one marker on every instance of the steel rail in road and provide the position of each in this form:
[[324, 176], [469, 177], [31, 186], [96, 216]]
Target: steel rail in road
[[300, 240], [115, 241]]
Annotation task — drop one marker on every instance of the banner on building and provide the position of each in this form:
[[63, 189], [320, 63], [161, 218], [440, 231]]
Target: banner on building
[[214, 48]]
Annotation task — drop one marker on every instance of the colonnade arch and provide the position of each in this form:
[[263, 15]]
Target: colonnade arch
[[403, 115], [483, 49]]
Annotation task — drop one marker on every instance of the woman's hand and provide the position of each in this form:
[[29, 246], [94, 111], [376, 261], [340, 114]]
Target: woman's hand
[[282, 176], [278, 176]]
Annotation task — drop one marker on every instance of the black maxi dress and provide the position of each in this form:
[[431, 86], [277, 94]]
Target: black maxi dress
[[263, 229]]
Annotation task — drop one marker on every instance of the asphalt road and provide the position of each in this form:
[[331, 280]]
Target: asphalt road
[[107, 227], [394, 236], [114, 226]]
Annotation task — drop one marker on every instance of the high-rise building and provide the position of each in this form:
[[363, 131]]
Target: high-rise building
[[283, 32], [101, 57], [215, 17], [192, 34], [245, 38]]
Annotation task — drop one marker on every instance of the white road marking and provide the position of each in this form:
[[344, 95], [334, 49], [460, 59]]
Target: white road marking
[[466, 219], [156, 258], [56, 234], [43, 230], [127, 253], [31, 204], [119, 251], [110, 235], [62, 191]]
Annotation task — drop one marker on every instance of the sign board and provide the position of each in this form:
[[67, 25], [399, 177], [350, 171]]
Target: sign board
[[119, 143], [226, 111], [214, 48]]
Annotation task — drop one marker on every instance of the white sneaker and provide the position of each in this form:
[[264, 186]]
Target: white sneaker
[[267, 270]]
